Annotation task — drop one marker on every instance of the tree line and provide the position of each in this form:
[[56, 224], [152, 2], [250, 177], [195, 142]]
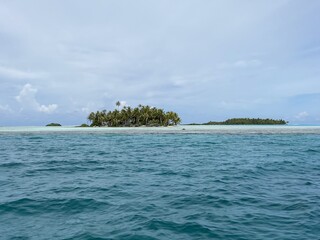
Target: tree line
[[249, 121], [133, 117]]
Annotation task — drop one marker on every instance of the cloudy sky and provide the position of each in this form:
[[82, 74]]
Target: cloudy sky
[[205, 59]]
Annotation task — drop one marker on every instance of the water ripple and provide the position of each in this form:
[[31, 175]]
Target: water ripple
[[99, 185]]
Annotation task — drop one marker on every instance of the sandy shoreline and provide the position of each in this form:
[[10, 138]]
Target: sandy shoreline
[[234, 129]]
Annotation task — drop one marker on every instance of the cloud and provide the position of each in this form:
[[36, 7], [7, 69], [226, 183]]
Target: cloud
[[5, 108], [18, 74], [47, 109], [27, 99], [123, 103], [249, 63], [240, 64], [85, 110], [302, 115], [145, 52]]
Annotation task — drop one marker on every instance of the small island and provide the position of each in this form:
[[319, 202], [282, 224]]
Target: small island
[[53, 125], [83, 125], [246, 121], [133, 117]]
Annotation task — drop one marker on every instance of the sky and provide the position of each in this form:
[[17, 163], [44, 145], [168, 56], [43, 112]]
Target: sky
[[204, 59]]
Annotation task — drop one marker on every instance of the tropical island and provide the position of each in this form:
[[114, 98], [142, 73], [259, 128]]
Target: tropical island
[[133, 117], [246, 121], [53, 125]]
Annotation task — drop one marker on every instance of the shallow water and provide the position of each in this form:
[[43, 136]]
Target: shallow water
[[221, 183]]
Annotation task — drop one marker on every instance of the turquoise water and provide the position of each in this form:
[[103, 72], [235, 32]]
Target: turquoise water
[[159, 185]]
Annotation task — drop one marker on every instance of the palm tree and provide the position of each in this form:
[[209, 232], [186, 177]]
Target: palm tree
[[91, 117], [129, 115], [118, 104], [172, 118], [141, 115], [136, 115]]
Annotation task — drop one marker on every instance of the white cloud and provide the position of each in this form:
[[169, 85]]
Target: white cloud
[[27, 99], [302, 115], [240, 64], [5, 108], [143, 53], [178, 81], [18, 74], [48, 109], [123, 103], [27, 94], [247, 63], [85, 110]]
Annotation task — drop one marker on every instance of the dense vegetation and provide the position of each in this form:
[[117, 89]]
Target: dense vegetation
[[249, 121], [84, 125], [133, 117], [53, 125]]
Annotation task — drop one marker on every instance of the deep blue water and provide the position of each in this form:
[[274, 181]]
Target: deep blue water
[[159, 186]]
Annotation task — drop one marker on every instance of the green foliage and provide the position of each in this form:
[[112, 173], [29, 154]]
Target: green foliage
[[53, 125], [134, 117], [84, 125], [249, 121]]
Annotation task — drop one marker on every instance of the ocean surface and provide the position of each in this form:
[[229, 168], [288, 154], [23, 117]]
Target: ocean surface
[[186, 182]]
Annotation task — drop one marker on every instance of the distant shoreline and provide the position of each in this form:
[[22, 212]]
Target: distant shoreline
[[246, 121], [180, 129], [204, 124]]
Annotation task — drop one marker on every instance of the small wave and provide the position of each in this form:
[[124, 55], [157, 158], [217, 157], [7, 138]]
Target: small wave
[[68, 169], [201, 200], [19, 238], [12, 164], [192, 229], [296, 206], [86, 236], [136, 237], [167, 173], [52, 150], [35, 138], [250, 200], [27, 206], [101, 153], [310, 150]]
